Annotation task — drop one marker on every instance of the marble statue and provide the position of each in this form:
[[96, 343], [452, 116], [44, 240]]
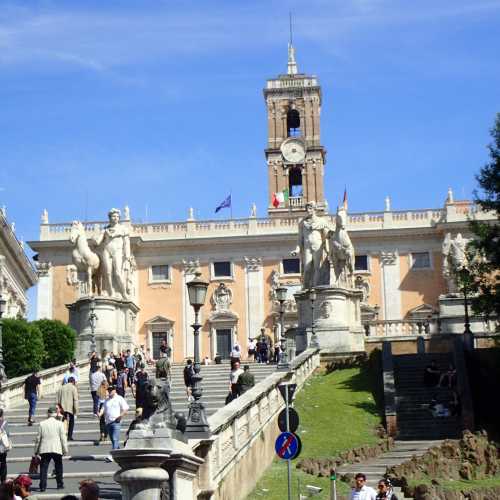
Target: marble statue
[[313, 247], [114, 248], [454, 258], [341, 253], [126, 213], [85, 259], [253, 210]]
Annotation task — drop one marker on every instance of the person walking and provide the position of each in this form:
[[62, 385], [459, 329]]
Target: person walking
[[72, 372], [102, 394], [139, 389], [51, 444], [234, 375], [32, 394], [114, 409], [5, 446], [130, 363], [245, 381], [385, 490], [188, 373], [252, 349], [67, 397], [95, 379], [121, 382], [235, 354], [360, 490]]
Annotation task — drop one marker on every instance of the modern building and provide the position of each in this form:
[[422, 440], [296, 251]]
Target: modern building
[[16, 272], [399, 254]]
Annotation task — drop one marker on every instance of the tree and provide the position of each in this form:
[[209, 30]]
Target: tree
[[59, 340], [484, 249], [23, 347]]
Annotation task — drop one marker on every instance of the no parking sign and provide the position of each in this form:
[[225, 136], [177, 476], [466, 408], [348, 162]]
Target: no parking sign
[[288, 446]]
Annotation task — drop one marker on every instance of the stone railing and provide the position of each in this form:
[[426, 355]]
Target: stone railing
[[399, 328], [13, 390], [276, 225], [243, 433]]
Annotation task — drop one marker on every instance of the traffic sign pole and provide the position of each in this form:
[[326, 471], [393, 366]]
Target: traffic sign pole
[[288, 462], [333, 481]]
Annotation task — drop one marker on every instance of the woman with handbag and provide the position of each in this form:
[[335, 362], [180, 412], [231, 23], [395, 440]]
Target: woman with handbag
[[102, 394], [5, 446]]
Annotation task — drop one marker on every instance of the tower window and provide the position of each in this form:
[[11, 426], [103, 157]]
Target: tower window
[[293, 122], [295, 182]]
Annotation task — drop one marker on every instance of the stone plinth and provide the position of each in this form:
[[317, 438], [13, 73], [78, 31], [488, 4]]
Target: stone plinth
[[337, 319], [452, 316], [115, 326], [156, 466]]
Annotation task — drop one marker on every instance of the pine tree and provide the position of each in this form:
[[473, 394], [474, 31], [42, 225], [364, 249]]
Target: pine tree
[[485, 247]]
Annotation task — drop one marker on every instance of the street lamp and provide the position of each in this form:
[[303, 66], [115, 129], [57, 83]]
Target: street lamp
[[197, 424], [3, 308], [281, 296], [93, 324], [464, 275], [312, 297]]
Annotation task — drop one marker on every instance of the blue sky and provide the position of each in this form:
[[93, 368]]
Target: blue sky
[[159, 104]]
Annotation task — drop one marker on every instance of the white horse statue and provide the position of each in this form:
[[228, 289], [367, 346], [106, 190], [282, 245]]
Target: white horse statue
[[84, 258], [341, 252]]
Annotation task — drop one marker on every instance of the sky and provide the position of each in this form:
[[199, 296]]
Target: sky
[[159, 104]]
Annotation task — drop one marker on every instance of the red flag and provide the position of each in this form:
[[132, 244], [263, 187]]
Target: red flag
[[275, 202]]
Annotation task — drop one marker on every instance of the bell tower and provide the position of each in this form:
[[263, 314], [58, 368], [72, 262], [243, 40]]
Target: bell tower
[[294, 154]]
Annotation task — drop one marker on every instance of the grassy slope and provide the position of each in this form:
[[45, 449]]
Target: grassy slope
[[463, 485], [337, 412]]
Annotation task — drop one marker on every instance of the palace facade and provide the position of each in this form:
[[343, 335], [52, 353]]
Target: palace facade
[[399, 254]]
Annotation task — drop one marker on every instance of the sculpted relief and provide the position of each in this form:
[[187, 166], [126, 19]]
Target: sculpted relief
[[108, 267], [325, 249]]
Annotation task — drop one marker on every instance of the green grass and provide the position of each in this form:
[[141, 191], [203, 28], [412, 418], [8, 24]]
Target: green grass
[[337, 412]]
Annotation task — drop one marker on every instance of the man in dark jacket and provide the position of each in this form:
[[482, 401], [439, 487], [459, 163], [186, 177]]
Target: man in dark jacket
[[188, 377], [245, 381]]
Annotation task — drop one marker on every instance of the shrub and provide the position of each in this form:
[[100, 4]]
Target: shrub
[[59, 340], [23, 347]]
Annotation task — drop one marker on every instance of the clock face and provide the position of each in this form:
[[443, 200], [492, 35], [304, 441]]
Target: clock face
[[293, 150]]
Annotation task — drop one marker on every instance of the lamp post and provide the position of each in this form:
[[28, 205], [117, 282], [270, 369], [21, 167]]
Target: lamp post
[[3, 308], [93, 324], [312, 297], [281, 296], [197, 424], [465, 280]]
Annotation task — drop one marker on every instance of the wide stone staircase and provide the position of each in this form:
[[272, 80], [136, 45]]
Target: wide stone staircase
[[87, 457], [414, 419]]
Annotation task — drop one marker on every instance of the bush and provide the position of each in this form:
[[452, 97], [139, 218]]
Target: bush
[[23, 347], [59, 340]]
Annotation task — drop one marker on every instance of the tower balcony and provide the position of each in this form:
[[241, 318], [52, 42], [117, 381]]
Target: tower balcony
[[296, 201]]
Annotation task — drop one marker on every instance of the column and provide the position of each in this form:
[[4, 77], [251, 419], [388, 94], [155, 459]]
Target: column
[[190, 267], [44, 292], [254, 296], [391, 294]]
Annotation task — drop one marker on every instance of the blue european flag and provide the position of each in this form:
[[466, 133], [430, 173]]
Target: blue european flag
[[225, 204]]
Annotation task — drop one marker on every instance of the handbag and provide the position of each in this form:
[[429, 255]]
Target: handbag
[[34, 464]]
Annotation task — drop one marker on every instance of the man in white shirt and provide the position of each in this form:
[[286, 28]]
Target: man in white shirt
[[234, 374], [361, 491], [114, 409]]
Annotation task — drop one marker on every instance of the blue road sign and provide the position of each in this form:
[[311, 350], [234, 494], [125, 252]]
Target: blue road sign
[[287, 446]]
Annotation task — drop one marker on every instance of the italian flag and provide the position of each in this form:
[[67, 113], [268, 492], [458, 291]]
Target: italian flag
[[279, 197]]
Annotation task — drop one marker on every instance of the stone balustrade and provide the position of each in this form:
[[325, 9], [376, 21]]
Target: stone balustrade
[[243, 433], [12, 392], [398, 328], [276, 225]]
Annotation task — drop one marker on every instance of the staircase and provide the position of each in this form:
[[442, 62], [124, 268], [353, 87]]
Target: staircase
[[415, 420], [87, 458]]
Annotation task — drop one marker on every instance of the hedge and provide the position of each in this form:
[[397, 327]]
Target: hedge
[[59, 340]]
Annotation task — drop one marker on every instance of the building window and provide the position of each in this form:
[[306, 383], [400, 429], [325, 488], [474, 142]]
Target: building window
[[420, 260], [361, 263], [295, 182], [160, 273], [291, 266], [222, 269]]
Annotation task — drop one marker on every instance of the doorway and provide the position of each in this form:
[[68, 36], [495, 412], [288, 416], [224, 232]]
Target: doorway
[[224, 343]]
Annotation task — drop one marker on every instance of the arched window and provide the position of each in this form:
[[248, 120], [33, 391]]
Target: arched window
[[295, 182], [292, 122]]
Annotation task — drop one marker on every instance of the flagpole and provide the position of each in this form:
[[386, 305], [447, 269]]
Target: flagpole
[[231, 202]]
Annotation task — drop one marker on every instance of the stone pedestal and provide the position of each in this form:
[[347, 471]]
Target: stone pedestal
[[337, 319], [452, 316], [156, 466], [115, 326]]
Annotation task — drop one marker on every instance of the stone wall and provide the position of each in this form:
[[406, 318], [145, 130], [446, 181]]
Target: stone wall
[[243, 434]]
